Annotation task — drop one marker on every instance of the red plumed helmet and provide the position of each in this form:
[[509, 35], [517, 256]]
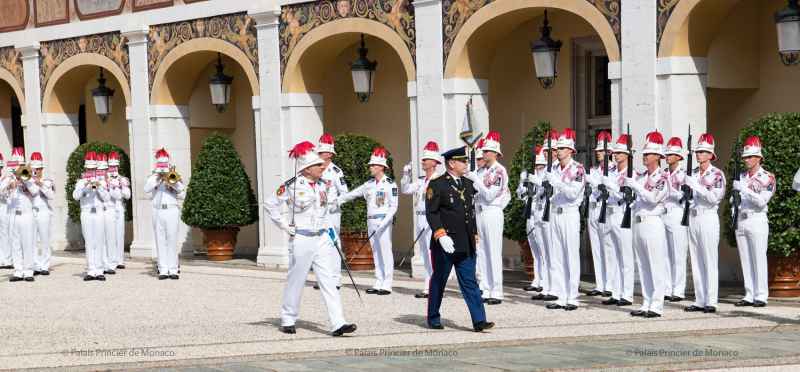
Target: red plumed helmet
[[431, 151], [706, 143], [326, 144], [492, 143], [480, 143], [655, 137], [162, 155], [90, 160], [675, 141], [300, 149], [603, 140], [674, 147], [566, 139], [304, 155], [654, 144], [326, 138], [432, 146], [113, 159], [752, 147], [378, 157], [622, 143], [36, 160]]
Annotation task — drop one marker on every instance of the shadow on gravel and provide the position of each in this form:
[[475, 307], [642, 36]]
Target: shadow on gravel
[[300, 324], [422, 322]]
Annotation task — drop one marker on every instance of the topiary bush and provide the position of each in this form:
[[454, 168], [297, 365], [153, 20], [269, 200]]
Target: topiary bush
[[219, 194], [75, 170], [515, 228], [780, 138], [353, 153]]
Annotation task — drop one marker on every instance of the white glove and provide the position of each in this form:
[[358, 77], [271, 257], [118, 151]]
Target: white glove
[[291, 230], [523, 177], [447, 244], [407, 169], [737, 185], [472, 176], [553, 178], [691, 181], [629, 181]]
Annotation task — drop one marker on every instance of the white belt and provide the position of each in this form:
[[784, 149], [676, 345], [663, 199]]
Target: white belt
[[701, 211], [376, 216], [420, 213], [310, 233], [648, 218], [747, 215], [164, 206], [563, 210]]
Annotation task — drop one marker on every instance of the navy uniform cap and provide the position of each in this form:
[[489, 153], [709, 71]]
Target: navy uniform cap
[[459, 153]]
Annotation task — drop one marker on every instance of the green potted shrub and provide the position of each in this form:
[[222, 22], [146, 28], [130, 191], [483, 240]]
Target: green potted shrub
[[219, 198], [780, 137], [515, 224], [75, 170], [353, 152]]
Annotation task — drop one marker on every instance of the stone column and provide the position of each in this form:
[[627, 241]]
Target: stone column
[[139, 135], [31, 121], [682, 96], [615, 75], [638, 70], [61, 139], [430, 75]]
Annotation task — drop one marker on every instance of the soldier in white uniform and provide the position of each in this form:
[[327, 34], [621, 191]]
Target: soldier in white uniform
[[430, 160], [42, 213], [545, 228], [708, 188], [21, 224], [120, 191], [334, 178], [310, 236], [381, 193], [650, 190], [677, 234], [92, 192], [535, 238], [567, 179], [756, 187], [166, 215], [109, 241], [619, 241], [597, 231], [5, 242], [491, 182]]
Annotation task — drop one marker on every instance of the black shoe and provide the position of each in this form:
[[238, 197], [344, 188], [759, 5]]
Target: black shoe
[[482, 326], [554, 306], [710, 309], [638, 313], [347, 328], [44, 272], [421, 295], [384, 292], [538, 297], [174, 277], [692, 309], [607, 294], [372, 291], [101, 278], [570, 307], [109, 272], [594, 293], [36, 272], [15, 279], [652, 314], [163, 277], [530, 288], [485, 300], [743, 303], [759, 303], [610, 301], [436, 326], [338, 287], [667, 298], [287, 329], [88, 278], [6, 267], [120, 267], [550, 298], [624, 302], [676, 299], [493, 301], [316, 286]]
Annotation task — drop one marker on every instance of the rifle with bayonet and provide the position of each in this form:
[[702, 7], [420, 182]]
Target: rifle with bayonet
[[627, 192], [548, 188], [587, 190], [735, 194], [687, 191], [602, 187], [530, 189]]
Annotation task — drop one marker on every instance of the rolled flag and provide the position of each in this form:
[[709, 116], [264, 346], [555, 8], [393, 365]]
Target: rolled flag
[[305, 155], [603, 140], [706, 143], [654, 144], [566, 139], [622, 144], [431, 151], [378, 157], [326, 144], [36, 160], [492, 142], [675, 147], [752, 147]]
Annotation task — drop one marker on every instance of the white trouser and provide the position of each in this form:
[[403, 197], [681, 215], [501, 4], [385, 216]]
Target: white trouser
[[42, 250], [480, 259], [648, 237], [491, 244], [93, 237], [110, 232], [536, 241], [599, 259], [704, 237], [22, 243], [424, 243], [677, 247], [118, 256], [5, 241], [751, 238], [544, 234], [382, 255], [565, 258], [165, 226], [308, 252], [333, 255], [619, 245]]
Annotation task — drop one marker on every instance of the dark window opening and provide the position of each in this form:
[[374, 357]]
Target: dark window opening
[[17, 133], [602, 87], [82, 124]]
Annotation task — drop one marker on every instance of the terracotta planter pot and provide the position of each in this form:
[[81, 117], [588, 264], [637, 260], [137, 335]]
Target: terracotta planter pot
[[784, 275], [527, 258], [220, 243], [358, 251]]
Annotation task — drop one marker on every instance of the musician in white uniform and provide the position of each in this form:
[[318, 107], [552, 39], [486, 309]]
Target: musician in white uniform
[[120, 192], [42, 213], [5, 242], [166, 215], [92, 192], [21, 223]]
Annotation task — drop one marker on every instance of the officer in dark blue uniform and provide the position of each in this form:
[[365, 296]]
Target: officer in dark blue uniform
[[451, 215]]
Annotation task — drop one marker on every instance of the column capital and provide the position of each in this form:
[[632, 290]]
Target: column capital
[[29, 51], [682, 66], [265, 17], [136, 35]]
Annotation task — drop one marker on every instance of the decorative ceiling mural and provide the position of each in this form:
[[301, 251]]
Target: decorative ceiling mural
[[665, 9], [11, 61], [50, 12], [297, 20], [14, 15]]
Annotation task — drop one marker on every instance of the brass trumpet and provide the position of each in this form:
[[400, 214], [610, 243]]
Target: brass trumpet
[[172, 177], [24, 173]]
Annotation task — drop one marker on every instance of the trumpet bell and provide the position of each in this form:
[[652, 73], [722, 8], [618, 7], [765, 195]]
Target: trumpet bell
[[24, 172]]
